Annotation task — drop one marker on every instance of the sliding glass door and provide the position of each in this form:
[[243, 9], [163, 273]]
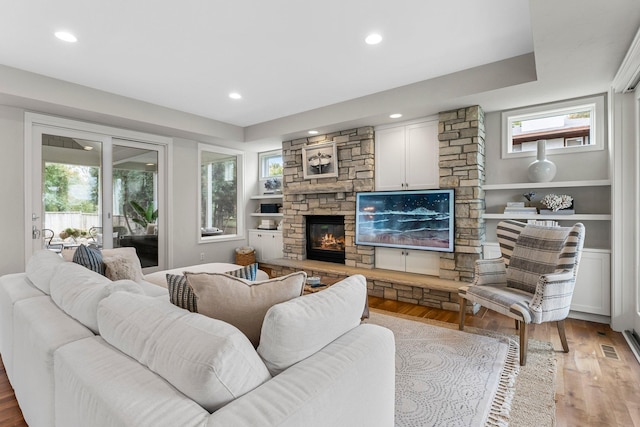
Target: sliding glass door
[[135, 200], [98, 190]]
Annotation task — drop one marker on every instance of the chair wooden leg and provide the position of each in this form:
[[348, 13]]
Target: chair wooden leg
[[463, 308], [563, 336], [524, 343]]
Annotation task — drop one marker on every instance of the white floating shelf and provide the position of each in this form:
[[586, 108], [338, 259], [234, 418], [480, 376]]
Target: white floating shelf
[[556, 184], [267, 196], [560, 217]]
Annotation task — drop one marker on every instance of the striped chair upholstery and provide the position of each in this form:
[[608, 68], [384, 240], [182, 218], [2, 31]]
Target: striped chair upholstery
[[534, 279]]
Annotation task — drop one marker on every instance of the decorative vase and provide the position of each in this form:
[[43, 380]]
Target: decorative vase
[[542, 170]]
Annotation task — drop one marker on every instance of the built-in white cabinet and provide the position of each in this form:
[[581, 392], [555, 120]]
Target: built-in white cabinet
[[407, 157], [410, 261], [267, 244]]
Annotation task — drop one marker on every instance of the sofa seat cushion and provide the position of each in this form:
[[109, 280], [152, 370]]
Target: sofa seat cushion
[[77, 291], [40, 328], [296, 329], [97, 385], [240, 302], [160, 277], [208, 360], [40, 268]]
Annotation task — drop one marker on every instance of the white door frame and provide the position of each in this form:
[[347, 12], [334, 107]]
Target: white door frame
[[34, 120]]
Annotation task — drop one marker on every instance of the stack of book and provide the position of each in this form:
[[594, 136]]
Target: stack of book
[[544, 223], [519, 208]]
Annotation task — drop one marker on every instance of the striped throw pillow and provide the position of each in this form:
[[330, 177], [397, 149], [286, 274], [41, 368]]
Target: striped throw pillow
[[248, 272], [536, 252], [89, 258], [180, 293]]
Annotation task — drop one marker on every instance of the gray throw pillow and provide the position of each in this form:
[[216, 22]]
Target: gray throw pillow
[[89, 258], [247, 272], [180, 293]]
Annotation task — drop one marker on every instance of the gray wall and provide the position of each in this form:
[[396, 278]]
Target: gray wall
[[11, 190], [570, 166], [592, 165]]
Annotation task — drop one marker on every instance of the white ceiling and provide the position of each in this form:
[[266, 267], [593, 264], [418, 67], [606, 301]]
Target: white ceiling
[[304, 64]]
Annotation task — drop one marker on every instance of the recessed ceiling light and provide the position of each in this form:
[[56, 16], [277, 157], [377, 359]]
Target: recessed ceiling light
[[395, 115], [151, 164], [374, 38], [235, 95], [313, 132], [88, 147], [66, 36]]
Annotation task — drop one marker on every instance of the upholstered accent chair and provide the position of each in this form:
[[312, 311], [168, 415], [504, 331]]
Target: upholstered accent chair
[[534, 279]]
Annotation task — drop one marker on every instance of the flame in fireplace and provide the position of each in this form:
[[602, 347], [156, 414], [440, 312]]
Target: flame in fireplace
[[329, 242]]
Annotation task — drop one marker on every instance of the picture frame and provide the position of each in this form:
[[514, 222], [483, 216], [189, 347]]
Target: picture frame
[[320, 160]]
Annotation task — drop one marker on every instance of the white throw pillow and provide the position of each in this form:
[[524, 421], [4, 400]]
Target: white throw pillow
[[241, 302], [78, 290], [296, 329], [40, 268], [208, 360]]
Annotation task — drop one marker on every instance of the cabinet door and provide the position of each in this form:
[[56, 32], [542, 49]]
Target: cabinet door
[[422, 262], [255, 241], [422, 156], [390, 159], [272, 245], [390, 259], [592, 293]]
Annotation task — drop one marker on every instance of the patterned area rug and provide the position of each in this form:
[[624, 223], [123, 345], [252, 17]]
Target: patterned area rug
[[445, 377]]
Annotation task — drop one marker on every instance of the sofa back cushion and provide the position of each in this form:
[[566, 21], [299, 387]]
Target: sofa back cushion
[[208, 360], [78, 290], [296, 329], [40, 268], [240, 302]]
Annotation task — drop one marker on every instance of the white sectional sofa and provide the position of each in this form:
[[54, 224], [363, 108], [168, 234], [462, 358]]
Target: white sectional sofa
[[81, 350]]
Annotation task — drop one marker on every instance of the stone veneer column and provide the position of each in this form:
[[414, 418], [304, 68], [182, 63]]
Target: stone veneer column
[[328, 196], [462, 157]]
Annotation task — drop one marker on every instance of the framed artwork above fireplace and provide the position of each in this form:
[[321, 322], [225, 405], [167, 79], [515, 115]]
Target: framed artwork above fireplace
[[320, 160]]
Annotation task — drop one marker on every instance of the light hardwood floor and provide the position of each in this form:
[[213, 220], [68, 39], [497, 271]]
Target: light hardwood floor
[[591, 389]]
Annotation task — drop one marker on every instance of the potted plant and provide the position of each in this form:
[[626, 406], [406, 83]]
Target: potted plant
[[272, 185], [144, 216]]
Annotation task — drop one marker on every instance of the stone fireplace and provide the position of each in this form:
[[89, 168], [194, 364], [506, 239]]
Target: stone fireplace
[[333, 196], [325, 238], [461, 166]]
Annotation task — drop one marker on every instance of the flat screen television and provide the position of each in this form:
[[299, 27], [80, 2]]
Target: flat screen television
[[420, 219]]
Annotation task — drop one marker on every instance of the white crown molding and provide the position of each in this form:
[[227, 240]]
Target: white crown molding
[[628, 74]]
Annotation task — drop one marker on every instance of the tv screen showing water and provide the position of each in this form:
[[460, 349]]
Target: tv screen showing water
[[421, 219]]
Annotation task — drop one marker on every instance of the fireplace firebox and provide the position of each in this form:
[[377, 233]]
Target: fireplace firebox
[[325, 238]]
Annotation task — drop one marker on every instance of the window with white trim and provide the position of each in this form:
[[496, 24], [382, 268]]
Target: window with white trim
[[271, 164], [567, 126], [220, 188]]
